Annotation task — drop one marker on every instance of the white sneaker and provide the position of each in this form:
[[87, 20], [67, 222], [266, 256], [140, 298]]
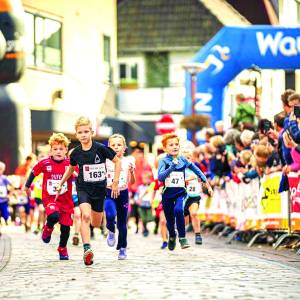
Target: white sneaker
[[122, 254], [111, 239]]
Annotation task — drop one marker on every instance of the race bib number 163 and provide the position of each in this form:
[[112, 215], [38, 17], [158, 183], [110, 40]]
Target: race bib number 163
[[94, 173]]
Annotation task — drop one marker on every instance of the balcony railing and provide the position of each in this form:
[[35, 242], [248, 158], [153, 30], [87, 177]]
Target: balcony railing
[[151, 100]]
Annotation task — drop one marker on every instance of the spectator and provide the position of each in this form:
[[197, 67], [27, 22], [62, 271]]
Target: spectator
[[294, 120], [245, 112], [284, 100], [219, 125]]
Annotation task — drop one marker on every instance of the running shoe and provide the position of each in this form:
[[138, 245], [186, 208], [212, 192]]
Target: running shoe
[[75, 240], [146, 233], [63, 253], [184, 243], [88, 256], [111, 239], [198, 239], [36, 231], [122, 254], [172, 243], [46, 235], [164, 245]]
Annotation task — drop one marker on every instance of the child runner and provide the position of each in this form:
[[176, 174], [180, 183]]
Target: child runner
[[191, 203], [90, 156], [77, 215], [4, 183], [118, 207], [144, 194], [58, 209], [171, 171]]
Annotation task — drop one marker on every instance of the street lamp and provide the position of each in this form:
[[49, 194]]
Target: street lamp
[[193, 69]]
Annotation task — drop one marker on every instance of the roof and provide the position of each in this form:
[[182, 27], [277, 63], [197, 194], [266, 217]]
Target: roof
[[225, 12], [164, 25]]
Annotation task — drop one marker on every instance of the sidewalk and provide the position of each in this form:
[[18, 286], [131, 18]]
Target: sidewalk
[[5, 250], [207, 272]]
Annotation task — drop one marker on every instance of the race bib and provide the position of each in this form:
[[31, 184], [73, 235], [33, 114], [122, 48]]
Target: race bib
[[175, 179], [52, 185], [193, 188], [3, 192], [122, 178], [94, 173]]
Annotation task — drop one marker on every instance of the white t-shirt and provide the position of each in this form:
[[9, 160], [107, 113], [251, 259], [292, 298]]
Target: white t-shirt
[[110, 173]]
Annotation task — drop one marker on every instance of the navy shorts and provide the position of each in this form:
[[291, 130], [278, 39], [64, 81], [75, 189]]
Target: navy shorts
[[4, 213]]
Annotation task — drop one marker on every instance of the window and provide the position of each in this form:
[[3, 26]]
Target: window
[[157, 69], [43, 42], [128, 71], [107, 58]]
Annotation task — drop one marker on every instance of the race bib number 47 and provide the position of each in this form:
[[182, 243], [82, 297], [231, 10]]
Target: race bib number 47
[[175, 179], [94, 173]]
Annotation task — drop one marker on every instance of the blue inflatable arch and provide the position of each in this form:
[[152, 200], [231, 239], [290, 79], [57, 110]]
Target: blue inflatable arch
[[232, 50]]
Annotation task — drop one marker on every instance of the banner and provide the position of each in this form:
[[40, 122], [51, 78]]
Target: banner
[[294, 180]]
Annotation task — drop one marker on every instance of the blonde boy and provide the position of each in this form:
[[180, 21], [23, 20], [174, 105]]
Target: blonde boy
[[90, 156]]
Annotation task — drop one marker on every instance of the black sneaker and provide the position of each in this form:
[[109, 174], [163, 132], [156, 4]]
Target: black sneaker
[[172, 243], [198, 239], [184, 243]]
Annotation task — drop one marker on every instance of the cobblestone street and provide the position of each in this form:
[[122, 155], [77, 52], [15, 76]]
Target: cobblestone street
[[206, 272]]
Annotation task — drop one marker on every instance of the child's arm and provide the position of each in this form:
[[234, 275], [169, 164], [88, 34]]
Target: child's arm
[[65, 177], [115, 185], [163, 173], [28, 184], [199, 173], [131, 175]]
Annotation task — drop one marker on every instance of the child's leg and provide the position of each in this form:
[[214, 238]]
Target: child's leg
[[64, 235], [122, 212], [77, 219], [85, 209], [193, 209], [96, 218], [111, 212], [168, 206], [41, 215], [52, 219], [163, 226], [178, 211], [4, 212]]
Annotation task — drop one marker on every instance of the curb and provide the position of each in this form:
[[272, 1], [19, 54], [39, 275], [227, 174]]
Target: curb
[[5, 251]]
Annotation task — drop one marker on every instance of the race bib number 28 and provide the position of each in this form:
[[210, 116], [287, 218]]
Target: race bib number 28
[[94, 173]]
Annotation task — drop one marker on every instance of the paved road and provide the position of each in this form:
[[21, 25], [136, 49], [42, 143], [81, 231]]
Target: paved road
[[210, 271]]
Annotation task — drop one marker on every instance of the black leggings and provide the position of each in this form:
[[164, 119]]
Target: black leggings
[[64, 230], [64, 235]]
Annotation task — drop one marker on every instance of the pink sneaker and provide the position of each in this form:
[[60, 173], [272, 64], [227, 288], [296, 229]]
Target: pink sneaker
[[46, 235], [63, 253]]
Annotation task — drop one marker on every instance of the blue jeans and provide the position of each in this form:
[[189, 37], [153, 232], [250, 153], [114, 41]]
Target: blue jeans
[[117, 207]]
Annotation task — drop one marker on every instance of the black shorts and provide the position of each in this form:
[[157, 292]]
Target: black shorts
[[38, 201], [189, 201], [96, 201]]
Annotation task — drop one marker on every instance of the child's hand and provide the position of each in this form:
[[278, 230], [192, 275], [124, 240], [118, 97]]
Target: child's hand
[[115, 189], [131, 167]]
